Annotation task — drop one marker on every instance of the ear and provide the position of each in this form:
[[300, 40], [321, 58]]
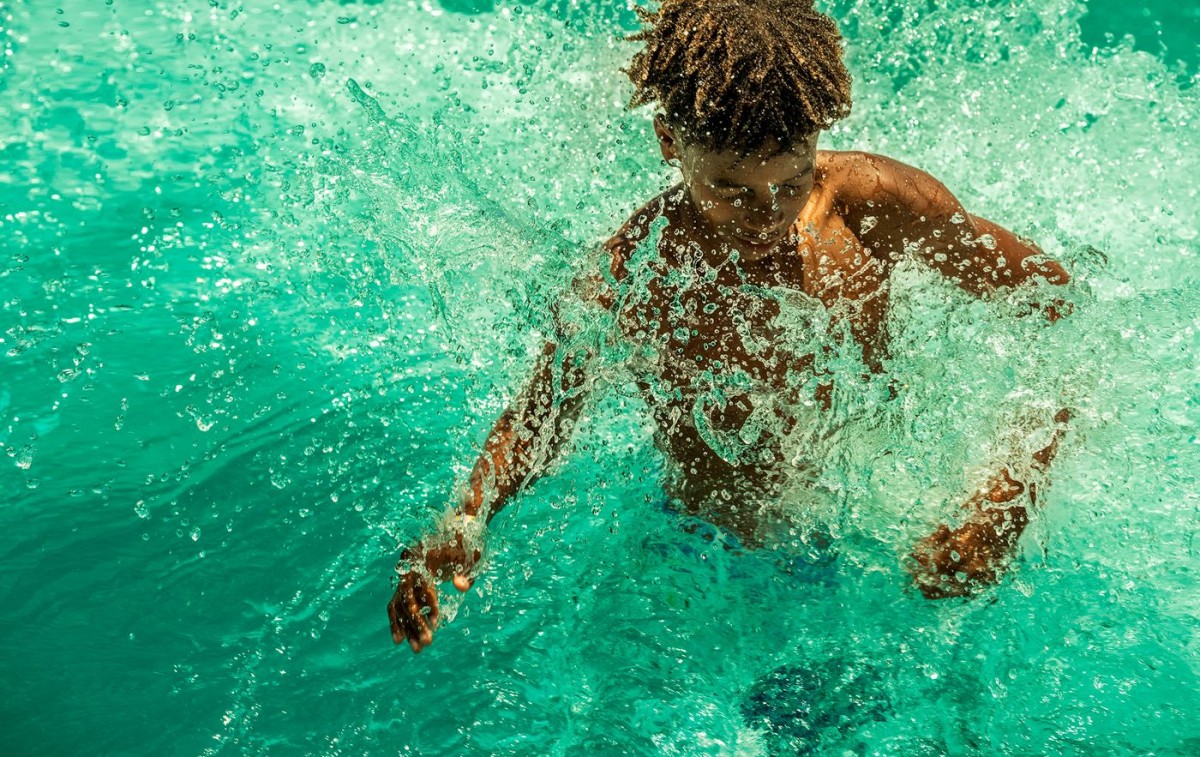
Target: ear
[[666, 138]]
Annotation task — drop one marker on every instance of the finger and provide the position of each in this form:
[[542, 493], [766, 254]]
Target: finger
[[455, 563], [417, 624], [394, 619], [400, 611], [406, 625], [431, 601], [413, 634], [463, 580]]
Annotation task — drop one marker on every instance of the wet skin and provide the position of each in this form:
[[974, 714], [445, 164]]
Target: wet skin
[[832, 225]]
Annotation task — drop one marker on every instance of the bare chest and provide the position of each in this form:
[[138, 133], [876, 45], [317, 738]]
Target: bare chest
[[761, 323]]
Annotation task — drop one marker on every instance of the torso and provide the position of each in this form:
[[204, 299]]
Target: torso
[[721, 350]]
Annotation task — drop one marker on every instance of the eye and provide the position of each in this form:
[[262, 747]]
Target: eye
[[791, 190], [728, 191]]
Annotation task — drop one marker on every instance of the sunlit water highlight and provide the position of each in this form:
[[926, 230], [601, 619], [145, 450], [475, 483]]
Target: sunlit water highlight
[[268, 274]]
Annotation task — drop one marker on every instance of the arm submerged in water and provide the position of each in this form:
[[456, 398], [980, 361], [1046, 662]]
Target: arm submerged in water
[[957, 562], [898, 209]]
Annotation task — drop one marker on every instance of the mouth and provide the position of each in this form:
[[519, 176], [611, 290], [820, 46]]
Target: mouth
[[759, 241]]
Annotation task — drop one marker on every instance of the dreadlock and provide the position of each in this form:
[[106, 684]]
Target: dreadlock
[[734, 74]]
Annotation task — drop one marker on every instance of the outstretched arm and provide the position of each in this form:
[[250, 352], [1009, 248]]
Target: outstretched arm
[[525, 439], [528, 435], [901, 210], [523, 442]]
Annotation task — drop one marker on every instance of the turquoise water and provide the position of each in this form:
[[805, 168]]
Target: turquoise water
[[268, 274]]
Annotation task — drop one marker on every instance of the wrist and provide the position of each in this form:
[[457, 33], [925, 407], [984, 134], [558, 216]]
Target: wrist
[[461, 525], [471, 502]]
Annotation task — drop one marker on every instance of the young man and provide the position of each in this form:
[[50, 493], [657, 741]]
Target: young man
[[745, 88]]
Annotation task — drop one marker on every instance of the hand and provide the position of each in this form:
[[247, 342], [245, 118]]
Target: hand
[[413, 611], [958, 562], [1057, 309]]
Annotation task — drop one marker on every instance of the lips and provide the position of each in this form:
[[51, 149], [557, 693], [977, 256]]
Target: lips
[[758, 241]]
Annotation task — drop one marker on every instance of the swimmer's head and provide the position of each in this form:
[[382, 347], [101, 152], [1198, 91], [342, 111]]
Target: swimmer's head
[[739, 75]]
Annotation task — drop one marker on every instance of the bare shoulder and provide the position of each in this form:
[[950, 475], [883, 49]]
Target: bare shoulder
[[877, 192], [595, 285], [856, 177], [624, 242]]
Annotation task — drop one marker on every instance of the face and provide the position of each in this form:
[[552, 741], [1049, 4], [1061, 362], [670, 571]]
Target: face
[[746, 202]]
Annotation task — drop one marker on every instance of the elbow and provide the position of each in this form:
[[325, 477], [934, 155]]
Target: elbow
[[1030, 269], [1053, 273], [1061, 278]]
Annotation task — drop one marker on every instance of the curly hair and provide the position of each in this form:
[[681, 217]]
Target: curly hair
[[735, 74]]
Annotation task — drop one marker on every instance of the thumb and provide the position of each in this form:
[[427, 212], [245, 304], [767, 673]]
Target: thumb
[[462, 574]]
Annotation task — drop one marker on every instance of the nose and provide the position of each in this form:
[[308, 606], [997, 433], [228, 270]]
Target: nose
[[763, 217]]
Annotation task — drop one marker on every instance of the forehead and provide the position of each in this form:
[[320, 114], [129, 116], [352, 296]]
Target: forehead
[[766, 163]]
